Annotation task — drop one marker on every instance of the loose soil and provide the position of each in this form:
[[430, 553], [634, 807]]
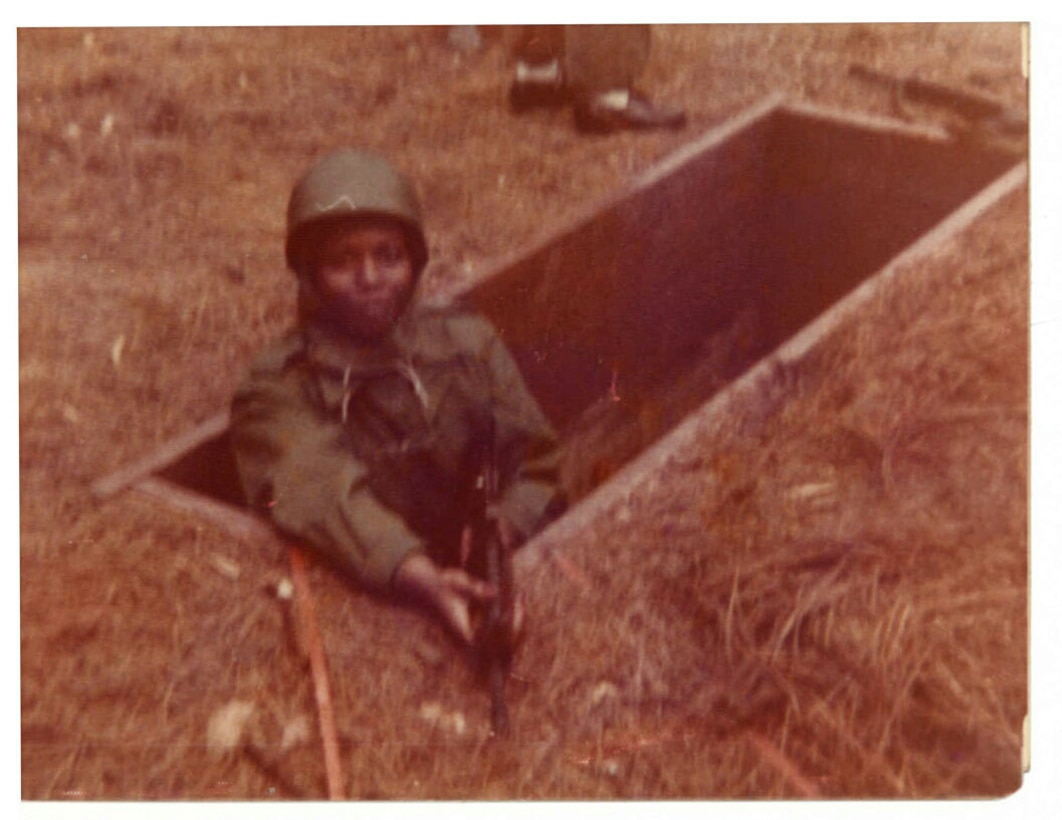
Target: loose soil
[[827, 596]]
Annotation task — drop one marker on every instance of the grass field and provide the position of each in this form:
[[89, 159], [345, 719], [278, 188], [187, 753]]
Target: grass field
[[828, 597]]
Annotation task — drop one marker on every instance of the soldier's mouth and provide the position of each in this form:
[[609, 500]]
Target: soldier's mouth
[[380, 307]]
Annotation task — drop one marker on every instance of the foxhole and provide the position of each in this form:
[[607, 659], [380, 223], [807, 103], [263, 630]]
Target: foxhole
[[646, 306]]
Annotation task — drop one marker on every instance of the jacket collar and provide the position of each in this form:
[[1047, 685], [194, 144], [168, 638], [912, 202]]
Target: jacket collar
[[336, 351]]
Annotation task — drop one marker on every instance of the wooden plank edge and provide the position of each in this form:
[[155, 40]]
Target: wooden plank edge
[[167, 453], [241, 523]]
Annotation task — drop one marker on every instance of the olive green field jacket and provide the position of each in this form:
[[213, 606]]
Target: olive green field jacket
[[370, 454]]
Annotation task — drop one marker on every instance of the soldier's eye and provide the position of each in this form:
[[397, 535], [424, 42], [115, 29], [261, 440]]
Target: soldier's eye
[[391, 253], [336, 261]]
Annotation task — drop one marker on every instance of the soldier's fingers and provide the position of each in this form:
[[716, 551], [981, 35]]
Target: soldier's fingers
[[456, 613], [469, 585]]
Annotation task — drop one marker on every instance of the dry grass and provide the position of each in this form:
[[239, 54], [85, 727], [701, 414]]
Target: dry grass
[[845, 580], [827, 597]]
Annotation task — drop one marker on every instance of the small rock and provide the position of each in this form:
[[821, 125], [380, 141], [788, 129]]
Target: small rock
[[225, 729], [230, 569], [296, 731], [606, 690], [436, 715], [285, 589], [816, 495]]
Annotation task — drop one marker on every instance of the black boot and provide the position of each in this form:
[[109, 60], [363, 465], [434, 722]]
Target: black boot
[[538, 85], [604, 113]]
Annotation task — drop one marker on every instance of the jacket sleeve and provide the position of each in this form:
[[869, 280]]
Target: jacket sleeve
[[296, 468], [527, 445]]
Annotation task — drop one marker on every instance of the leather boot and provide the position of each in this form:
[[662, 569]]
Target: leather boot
[[618, 110]]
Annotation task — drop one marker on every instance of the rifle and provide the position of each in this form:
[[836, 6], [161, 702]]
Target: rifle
[[490, 558], [973, 106]]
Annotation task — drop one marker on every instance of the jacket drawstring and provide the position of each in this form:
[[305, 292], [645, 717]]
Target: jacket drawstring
[[346, 395], [406, 369]]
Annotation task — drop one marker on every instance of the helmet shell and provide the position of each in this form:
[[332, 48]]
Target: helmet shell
[[347, 184]]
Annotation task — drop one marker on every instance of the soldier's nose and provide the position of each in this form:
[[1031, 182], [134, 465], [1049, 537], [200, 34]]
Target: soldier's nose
[[368, 272]]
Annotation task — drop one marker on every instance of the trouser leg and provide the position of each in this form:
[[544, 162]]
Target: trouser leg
[[604, 58], [540, 44], [602, 64]]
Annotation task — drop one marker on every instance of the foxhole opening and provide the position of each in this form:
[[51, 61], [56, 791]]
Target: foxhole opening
[[639, 312]]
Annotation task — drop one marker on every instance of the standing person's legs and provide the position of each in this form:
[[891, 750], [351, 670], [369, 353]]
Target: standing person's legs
[[593, 67], [602, 64]]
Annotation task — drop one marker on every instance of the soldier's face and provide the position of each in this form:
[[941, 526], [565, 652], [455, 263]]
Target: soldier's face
[[364, 273]]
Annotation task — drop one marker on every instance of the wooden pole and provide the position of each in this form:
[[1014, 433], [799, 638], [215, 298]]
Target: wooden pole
[[307, 616]]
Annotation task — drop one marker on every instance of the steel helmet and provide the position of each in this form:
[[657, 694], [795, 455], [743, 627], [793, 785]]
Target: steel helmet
[[353, 183]]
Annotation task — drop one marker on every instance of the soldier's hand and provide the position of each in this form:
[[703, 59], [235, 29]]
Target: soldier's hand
[[450, 592]]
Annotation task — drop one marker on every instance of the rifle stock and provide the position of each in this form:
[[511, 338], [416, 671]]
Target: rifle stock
[[495, 640]]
